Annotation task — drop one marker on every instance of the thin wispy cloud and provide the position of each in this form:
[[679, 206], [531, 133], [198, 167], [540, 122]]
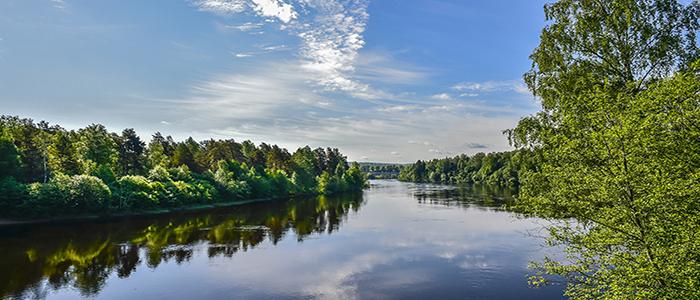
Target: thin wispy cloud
[[473, 88], [441, 96], [331, 32], [221, 6], [248, 26], [59, 4], [381, 67], [275, 48]]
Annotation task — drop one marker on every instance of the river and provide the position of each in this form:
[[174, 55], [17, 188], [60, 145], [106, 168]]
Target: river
[[394, 241]]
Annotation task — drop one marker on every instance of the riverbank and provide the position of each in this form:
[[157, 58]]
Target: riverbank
[[6, 222]]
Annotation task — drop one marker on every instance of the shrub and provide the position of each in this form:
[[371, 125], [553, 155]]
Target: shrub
[[68, 194], [135, 192], [87, 194], [45, 199], [160, 174], [12, 193]]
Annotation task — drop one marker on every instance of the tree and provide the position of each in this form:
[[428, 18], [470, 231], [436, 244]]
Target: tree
[[131, 152], [160, 151], [31, 141], [616, 147], [92, 171], [62, 154], [214, 151], [304, 169], [9, 158], [186, 153], [97, 147]]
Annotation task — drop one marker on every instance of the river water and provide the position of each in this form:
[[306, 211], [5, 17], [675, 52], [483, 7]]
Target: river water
[[394, 241]]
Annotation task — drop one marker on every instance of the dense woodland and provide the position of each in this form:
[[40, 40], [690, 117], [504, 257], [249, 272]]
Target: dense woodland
[[46, 170], [497, 169]]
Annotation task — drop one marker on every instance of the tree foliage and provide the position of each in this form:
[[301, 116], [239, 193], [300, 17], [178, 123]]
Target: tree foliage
[[616, 147], [497, 168], [91, 170]]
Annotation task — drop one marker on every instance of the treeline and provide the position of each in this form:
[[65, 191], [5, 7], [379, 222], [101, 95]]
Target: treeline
[[496, 168], [381, 170], [48, 170]]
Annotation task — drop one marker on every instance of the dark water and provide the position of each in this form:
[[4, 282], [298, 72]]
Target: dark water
[[397, 240]]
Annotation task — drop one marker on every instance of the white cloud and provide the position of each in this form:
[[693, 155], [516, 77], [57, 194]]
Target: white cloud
[[331, 44], [275, 48], [246, 26], [266, 8], [276, 9], [442, 96], [381, 67], [397, 108], [468, 95], [331, 32], [491, 86], [243, 55], [59, 4], [221, 6]]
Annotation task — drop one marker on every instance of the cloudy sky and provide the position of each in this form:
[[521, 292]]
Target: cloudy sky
[[383, 80]]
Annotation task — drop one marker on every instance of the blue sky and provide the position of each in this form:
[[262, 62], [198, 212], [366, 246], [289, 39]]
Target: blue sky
[[383, 80]]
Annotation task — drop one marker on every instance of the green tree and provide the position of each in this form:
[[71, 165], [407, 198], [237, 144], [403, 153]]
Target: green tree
[[186, 153], [63, 156], [9, 157], [97, 147], [160, 151], [131, 152], [616, 147]]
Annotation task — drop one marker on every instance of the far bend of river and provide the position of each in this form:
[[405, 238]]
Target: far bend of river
[[394, 241]]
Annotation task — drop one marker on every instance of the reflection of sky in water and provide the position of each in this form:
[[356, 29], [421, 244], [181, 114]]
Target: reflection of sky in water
[[393, 247]]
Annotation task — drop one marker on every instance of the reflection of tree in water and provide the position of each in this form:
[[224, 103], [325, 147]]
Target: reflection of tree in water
[[37, 260], [472, 196]]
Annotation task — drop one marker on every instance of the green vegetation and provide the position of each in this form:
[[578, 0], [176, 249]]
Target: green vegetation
[[381, 170], [496, 169], [617, 147], [49, 171]]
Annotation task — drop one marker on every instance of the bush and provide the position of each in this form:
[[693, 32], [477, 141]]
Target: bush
[[159, 174], [279, 182], [45, 199], [354, 178], [230, 180], [136, 192], [87, 194], [104, 173], [12, 193], [68, 194]]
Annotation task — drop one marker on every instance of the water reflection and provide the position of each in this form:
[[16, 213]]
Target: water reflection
[[395, 241], [38, 259], [479, 196]]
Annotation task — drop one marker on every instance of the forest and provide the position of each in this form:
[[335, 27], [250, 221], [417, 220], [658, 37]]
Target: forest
[[501, 169], [46, 170]]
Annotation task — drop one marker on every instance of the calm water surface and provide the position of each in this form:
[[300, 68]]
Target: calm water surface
[[397, 240]]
